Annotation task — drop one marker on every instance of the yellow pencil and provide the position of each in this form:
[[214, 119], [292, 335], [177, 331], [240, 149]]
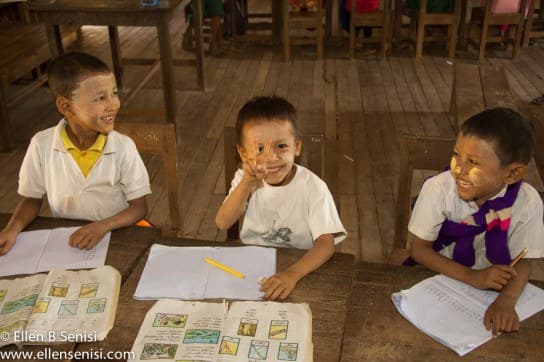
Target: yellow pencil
[[224, 268], [518, 258]]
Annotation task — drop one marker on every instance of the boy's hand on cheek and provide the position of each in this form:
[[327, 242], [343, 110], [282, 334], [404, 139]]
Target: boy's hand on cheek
[[494, 277], [279, 285], [86, 237], [501, 315]]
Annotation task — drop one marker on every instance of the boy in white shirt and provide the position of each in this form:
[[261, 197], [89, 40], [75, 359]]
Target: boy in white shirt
[[470, 222], [87, 170], [282, 203]]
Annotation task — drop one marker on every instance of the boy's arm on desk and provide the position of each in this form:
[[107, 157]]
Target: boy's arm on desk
[[282, 284], [25, 212], [494, 277], [88, 235], [501, 314]]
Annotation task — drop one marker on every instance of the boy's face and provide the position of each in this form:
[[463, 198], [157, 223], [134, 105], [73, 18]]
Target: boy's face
[[284, 147], [93, 106], [477, 169]]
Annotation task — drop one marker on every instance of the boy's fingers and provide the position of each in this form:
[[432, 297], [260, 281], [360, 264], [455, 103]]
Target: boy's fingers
[[268, 147], [279, 289], [285, 293], [487, 320], [496, 325], [508, 269], [515, 325]]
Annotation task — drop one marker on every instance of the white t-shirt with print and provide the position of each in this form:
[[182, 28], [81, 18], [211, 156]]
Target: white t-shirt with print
[[293, 215], [439, 199]]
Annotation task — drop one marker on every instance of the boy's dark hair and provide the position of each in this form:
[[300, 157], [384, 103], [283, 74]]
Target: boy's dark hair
[[512, 135], [66, 71], [267, 108]]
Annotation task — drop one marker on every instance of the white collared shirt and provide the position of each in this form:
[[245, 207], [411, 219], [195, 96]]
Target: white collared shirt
[[119, 175], [439, 200]]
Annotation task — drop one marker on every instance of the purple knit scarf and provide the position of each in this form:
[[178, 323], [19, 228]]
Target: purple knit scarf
[[493, 217]]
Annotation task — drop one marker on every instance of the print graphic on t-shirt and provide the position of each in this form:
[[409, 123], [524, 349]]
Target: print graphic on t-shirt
[[280, 236]]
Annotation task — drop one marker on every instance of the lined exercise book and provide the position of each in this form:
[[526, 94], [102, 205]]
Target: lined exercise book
[[182, 273], [43, 250], [452, 312]]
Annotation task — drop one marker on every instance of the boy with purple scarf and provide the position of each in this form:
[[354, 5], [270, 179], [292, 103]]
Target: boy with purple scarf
[[470, 222]]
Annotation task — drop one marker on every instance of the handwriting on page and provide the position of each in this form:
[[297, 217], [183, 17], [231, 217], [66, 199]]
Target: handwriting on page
[[445, 297]]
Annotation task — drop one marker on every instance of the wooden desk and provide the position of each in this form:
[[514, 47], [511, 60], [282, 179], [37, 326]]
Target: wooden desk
[[127, 246], [376, 331], [326, 290], [126, 13]]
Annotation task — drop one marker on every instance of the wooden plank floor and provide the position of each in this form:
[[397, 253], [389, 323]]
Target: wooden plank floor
[[361, 106]]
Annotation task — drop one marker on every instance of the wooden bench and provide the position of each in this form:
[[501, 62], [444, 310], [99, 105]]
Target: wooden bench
[[476, 88], [25, 49]]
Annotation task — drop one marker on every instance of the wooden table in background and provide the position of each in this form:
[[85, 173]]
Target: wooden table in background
[[376, 331], [126, 13], [327, 291]]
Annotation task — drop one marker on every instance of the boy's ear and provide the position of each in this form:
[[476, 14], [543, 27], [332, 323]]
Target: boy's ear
[[64, 106], [298, 147], [516, 172]]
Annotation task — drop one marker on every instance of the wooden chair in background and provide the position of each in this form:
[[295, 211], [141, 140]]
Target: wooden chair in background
[[160, 139], [534, 25], [486, 19], [311, 157], [297, 20], [419, 20], [416, 153], [381, 18]]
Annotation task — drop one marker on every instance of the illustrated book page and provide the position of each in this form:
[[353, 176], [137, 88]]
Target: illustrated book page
[[452, 312], [60, 307], [205, 332], [42, 250], [182, 273], [17, 300]]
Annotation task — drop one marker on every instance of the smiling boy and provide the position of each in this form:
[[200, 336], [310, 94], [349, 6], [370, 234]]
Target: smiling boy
[[283, 204], [87, 170], [472, 220]]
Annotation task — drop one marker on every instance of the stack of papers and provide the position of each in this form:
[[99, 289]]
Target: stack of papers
[[452, 312], [43, 250], [182, 273]]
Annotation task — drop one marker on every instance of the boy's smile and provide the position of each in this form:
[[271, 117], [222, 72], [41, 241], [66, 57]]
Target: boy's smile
[[283, 148], [477, 170], [92, 108]]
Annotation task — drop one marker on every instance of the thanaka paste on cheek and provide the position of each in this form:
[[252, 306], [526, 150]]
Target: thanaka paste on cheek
[[456, 169], [476, 176]]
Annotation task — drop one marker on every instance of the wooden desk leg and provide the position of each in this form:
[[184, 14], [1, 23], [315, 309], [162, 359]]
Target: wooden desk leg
[[233, 16], [328, 18], [463, 26], [167, 68], [199, 49], [54, 40], [115, 46], [4, 121], [276, 22]]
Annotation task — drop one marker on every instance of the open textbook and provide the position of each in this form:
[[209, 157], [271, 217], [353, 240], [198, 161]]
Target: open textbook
[[452, 312], [182, 273], [59, 307], [42, 250], [205, 332]]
